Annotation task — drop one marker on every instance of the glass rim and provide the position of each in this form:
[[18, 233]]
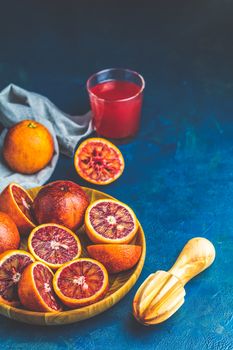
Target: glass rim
[[115, 69]]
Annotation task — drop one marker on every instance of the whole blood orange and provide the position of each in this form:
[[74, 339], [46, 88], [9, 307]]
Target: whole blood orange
[[28, 147], [81, 282], [116, 257], [17, 203], [110, 221], [9, 234], [12, 265], [98, 161], [35, 289], [61, 202], [54, 245]]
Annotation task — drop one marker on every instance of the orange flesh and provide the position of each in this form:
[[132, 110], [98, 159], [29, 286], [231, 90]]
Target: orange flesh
[[111, 220], [99, 162], [54, 245], [10, 273], [80, 280], [23, 201], [44, 279]]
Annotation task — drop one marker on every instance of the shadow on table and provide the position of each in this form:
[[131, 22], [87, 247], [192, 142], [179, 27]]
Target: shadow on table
[[138, 330]]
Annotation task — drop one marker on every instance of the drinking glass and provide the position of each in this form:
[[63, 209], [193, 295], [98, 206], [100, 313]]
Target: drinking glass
[[116, 101]]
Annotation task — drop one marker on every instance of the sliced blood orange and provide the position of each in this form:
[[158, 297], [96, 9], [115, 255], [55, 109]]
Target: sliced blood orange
[[98, 161], [17, 203], [81, 282], [116, 257], [54, 245], [35, 289], [12, 265], [9, 234], [110, 221]]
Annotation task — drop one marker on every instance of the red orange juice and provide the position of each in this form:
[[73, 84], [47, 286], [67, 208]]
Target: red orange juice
[[116, 102]]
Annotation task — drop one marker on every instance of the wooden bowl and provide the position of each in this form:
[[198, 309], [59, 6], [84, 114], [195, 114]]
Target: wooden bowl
[[120, 284]]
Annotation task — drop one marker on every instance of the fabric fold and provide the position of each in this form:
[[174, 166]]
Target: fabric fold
[[17, 104]]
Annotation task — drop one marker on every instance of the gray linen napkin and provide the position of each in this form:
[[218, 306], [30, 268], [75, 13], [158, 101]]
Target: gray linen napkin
[[17, 104]]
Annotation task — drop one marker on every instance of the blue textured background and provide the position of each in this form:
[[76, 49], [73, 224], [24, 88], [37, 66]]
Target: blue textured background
[[179, 169]]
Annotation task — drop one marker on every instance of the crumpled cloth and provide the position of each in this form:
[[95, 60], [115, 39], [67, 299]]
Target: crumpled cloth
[[17, 104]]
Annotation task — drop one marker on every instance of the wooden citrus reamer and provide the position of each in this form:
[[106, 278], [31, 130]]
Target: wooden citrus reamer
[[162, 293]]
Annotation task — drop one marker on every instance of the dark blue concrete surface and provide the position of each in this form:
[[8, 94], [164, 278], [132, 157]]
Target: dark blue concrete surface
[[179, 169]]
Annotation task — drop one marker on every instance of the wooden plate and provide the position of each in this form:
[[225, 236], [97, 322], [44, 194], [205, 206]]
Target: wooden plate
[[120, 284]]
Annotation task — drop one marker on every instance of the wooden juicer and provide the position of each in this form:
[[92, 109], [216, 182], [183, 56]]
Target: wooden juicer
[[162, 293]]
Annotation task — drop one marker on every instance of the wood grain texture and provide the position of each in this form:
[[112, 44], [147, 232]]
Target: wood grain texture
[[162, 293], [120, 284], [197, 255]]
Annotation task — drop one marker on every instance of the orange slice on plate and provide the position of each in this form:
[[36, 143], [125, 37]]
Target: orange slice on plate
[[110, 221], [54, 245], [17, 203], [98, 161], [36, 289], [81, 282], [12, 265], [116, 257]]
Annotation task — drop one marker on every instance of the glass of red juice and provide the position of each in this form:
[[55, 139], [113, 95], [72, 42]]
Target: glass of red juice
[[116, 102]]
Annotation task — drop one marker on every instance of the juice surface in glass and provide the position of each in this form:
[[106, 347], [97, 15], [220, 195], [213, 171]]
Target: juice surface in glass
[[116, 107]]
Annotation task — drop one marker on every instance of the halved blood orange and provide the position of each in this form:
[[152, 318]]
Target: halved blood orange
[[35, 289], [98, 161], [116, 257], [81, 282], [54, 245], [17, 203], [12, 265], [9, 234], [110, 221]]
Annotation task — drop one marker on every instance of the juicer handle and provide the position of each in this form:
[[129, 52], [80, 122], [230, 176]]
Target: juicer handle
[[196, 256]]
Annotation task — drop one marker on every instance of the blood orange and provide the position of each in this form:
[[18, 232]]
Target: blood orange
[[9, 234], [28, 147], [17, 203], [116, 257], [61, 202], [81, 282], [54, 245], [98, 161], [36, 289], [110, 221], [12, 264]]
